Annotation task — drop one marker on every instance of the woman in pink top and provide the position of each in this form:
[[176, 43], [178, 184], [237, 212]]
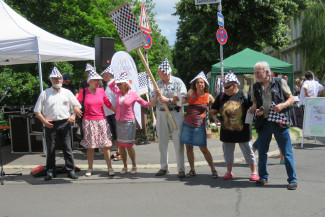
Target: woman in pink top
[[96, 132], [126, 126]]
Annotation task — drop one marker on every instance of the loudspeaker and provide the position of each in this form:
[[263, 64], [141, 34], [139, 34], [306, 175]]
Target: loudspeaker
[[19, 133], [104, 51]]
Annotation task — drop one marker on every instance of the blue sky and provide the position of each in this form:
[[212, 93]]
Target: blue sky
[[167, 23]]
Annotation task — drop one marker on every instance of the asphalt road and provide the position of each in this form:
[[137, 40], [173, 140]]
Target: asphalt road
[[144, 194]]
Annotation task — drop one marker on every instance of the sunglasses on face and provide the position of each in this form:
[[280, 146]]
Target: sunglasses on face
[[226, 88], [118, 84]]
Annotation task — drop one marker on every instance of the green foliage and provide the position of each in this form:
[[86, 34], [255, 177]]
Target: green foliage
[[312, 36], [82, 21], [251, 24], [24, 87]]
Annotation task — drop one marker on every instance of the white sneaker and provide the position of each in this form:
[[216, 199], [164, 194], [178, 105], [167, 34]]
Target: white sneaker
[[89, 172]]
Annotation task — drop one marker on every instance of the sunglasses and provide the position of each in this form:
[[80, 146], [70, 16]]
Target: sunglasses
[[119, 84], [226, 88]]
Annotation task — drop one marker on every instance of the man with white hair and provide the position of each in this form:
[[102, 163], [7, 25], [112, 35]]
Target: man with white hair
[[53, 109], [170, 86], [271, 98]]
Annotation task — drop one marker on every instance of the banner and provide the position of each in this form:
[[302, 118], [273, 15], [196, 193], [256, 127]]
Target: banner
[[122, 62], [127, 27]]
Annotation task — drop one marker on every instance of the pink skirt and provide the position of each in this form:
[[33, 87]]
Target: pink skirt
[[96, 134]]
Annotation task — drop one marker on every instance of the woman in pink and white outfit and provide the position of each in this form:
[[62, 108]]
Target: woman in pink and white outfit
[[96, 131], [126, 126]]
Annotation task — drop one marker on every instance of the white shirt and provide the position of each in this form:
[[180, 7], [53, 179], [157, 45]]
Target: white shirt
[[313, 87], [112, 97], [56, 104]]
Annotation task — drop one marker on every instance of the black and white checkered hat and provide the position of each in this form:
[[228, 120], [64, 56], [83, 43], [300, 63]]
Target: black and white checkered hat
[[230, 76], [108, 70], [89, 68], [201, 75], [55, 73], [165, 67], [93, 75], [124, 77]]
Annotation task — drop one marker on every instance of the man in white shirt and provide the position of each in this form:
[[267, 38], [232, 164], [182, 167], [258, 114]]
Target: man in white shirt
[[53, 108], [310, 88], [108, 76]]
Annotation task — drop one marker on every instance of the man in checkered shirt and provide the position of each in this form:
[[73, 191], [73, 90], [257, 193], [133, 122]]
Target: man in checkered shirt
[[269, 93], [169, 87]]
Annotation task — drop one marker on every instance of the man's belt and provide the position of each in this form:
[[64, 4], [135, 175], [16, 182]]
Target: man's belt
[[177, 108], [170, 109]]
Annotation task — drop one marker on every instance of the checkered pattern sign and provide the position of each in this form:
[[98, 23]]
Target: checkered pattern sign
[[165, 67], [55, 73], [143, 83], [278, 117], [127, 27]]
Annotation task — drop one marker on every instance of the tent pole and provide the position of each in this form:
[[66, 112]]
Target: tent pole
[[40, 73]]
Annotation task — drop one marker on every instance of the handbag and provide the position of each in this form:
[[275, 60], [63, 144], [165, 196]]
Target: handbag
[[79, 131]]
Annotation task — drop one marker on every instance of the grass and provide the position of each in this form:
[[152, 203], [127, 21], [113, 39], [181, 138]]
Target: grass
[[296, 132]]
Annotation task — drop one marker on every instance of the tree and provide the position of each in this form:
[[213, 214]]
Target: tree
[[251, 24], [80, 21], [312, 37]]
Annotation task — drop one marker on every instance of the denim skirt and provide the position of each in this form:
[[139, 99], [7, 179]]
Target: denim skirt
[[196, 136]]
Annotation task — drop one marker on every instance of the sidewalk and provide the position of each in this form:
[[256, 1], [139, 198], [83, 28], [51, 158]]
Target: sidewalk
[[147, 156]]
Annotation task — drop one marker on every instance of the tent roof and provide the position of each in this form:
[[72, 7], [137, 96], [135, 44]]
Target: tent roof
[[21, 42], [244, 61]]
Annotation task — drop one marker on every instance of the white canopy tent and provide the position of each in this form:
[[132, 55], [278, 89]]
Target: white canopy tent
[[22, 42]]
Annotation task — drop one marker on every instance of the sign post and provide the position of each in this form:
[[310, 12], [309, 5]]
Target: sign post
[[133, 38]]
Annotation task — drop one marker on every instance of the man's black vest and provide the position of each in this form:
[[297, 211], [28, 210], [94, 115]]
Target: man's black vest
[[276, 93]]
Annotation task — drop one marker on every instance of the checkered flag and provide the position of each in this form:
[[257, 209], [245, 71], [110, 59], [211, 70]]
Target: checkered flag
[[143, 83], [127, 27], [165, 67], [278, 118]]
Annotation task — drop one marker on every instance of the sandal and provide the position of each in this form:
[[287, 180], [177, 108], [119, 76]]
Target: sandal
[[214, 174], [191, 173]]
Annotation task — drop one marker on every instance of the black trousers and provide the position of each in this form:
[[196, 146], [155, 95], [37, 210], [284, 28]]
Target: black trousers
[[62, 129], [112, 125]]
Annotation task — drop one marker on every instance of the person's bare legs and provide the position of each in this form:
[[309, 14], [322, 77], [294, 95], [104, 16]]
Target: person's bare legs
[[190, 156], [124, 156], [131, 153], [253, 168], [107, 156], [208, 157], [90, 157]]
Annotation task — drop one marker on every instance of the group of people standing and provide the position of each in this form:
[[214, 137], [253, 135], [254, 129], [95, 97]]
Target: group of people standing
[[108, 117]]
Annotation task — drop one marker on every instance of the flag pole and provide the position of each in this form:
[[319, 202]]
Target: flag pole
[[156, 87]]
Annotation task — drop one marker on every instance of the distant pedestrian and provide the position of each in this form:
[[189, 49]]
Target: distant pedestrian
[[271, 99], [310, 88], [67, 84], [108, 76], [194, 132], [53, 109], [232, 105]]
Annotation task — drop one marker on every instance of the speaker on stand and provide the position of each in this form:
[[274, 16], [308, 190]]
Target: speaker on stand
[[104, 51]]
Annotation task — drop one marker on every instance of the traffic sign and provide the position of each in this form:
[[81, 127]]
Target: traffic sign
[[221, 20], [222, 36], [144, 21], [148, 39]]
